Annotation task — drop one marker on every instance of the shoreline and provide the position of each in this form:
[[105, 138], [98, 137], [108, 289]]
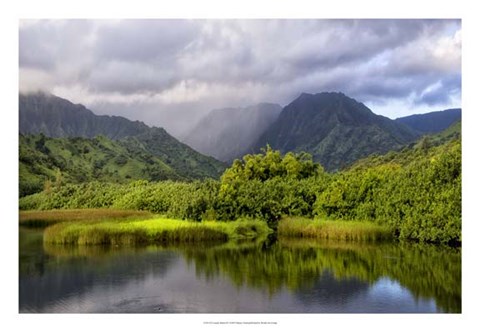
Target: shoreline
[[129, 227]]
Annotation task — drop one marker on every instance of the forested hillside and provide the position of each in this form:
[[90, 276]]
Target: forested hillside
[[59, 137], [151, 156]]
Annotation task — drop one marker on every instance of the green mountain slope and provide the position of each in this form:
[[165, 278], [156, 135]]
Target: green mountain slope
[[453, 131], [126, 150], [187, 162], [335, 129], [414, 151], [76, 160]]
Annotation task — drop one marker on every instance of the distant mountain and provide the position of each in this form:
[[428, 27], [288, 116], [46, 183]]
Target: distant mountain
[[137, 150], [227, 133], [432, 122], [335, 129], [58, 117]]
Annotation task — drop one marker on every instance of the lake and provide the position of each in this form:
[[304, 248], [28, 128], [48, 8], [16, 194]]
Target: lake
[[270, 276]]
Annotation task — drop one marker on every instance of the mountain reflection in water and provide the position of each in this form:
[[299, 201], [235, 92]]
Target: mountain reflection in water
[[298, 276]]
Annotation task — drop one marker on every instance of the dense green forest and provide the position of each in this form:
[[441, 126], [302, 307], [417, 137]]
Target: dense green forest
[[416, 192]]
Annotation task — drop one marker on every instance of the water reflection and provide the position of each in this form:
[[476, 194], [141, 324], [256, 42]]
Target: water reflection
[[426, 271], [282, 276]]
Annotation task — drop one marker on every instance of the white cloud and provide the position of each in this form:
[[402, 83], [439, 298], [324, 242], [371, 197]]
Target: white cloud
[[32, 80], [162, 65]]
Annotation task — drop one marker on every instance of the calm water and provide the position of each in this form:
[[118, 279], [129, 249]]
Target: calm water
[[258, 277]]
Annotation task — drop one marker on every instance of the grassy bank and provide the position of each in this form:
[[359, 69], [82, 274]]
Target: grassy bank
[[50, 217], [157, 230], [117, 227], [334, 230]]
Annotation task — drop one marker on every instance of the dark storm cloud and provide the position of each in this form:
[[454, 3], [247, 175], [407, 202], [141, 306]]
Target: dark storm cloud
[[382, 59], [164, 64], [345, 42]]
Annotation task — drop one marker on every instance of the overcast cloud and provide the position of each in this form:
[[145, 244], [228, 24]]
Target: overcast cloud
[[171, 72]]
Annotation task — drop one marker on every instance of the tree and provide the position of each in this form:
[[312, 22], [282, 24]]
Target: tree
[[267, 185], [270, 164], [58, 178]]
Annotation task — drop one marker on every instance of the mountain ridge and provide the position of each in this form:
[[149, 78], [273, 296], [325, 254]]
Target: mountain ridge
[[432, 122], [334, 128], [58, 118]]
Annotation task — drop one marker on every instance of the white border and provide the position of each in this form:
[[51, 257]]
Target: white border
[[236, 9]]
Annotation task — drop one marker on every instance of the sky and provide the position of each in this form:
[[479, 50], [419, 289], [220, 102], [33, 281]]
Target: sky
[[171, 72]]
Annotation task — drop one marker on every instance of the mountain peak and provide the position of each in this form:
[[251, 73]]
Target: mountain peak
[[326, 98], [311, 108], [334, 128], [305, 95], [337, 94], [57, 117]]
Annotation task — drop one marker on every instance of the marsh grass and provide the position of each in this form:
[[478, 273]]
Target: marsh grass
[[50, 217], [333, 230], [158, 230]]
